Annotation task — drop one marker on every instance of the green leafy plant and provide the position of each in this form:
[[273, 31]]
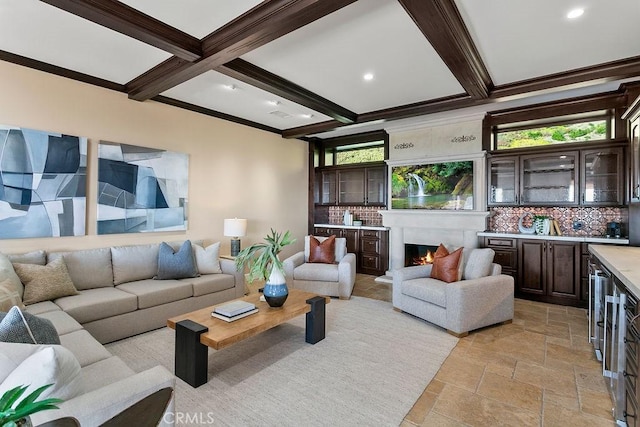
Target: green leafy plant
[[10, 414], [262, 257]]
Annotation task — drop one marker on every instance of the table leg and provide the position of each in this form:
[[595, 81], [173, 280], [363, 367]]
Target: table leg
[[191, 356], [315, 324]]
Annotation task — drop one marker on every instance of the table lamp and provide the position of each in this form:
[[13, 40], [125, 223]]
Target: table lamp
[[235, 228]]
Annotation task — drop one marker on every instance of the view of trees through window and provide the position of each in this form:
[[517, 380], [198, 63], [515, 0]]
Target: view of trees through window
[[558, 134], [361, 155]]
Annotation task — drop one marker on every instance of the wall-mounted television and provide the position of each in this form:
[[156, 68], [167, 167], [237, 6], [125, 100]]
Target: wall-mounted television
[[447, 185]]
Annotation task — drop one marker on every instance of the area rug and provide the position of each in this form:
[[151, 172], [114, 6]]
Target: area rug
[[369, 370]]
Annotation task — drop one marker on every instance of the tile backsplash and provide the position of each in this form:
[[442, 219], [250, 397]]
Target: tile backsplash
[[505, 219], [367, 214]]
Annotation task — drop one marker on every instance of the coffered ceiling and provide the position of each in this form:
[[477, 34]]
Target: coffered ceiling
[[296, 67]]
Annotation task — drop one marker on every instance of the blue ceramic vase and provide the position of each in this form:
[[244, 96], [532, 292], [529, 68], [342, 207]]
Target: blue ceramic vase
[[275, 290]]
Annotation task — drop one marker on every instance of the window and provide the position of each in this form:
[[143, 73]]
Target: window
[[563, 133], [360, 153]]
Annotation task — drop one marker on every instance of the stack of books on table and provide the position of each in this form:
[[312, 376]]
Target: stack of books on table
[[234, 310]]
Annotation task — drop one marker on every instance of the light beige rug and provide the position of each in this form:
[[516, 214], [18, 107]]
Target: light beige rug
[[369, 370]]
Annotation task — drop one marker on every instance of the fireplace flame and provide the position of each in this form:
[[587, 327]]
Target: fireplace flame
[[425, 259]]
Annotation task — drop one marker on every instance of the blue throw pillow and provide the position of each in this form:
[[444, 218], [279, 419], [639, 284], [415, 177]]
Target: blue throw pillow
[[176, 265], [17, 326]]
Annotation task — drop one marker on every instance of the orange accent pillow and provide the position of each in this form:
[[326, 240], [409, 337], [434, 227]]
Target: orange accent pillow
[[441, 251], [324, 252], [447, 267]]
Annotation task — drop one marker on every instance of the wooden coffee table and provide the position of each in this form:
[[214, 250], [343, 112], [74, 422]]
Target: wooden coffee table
[[198, 330]]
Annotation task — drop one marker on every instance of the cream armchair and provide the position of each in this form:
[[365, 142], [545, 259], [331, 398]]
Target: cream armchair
[[334, 280], [483, 297]]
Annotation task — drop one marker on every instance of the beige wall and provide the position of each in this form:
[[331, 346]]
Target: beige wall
[[234, 170]]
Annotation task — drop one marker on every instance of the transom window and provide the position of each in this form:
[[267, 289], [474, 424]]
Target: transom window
[[558, 133]]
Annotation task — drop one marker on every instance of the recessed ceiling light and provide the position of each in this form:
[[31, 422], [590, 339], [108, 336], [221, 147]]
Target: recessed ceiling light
[[575, 13], [230, 87], [306, 116], [274, 103], [368, 76]]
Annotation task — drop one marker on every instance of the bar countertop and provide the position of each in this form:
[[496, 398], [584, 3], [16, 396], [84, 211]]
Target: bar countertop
[[623, 262]]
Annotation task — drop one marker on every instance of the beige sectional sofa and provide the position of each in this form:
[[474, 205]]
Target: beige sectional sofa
[[117, 298]]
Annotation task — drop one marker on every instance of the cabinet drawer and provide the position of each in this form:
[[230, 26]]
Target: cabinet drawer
[[368, 245], [370, 261], [500, 242], [370, 233], [326, 232], [507, 259]]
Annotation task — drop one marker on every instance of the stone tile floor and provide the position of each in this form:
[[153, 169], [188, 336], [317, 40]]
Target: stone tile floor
[[538, 371]]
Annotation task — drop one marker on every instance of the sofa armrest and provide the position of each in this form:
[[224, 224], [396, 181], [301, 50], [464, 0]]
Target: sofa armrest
[[228, 266], [346, 275], [496, 269], [406, 273], [475, 303], [290, 264], [97, 406]]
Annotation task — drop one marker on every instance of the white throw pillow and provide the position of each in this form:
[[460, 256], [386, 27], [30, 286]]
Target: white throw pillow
[[52, 364], [8, 273], [208, 260]]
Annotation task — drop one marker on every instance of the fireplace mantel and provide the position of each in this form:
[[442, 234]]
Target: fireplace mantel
[[452, 228]]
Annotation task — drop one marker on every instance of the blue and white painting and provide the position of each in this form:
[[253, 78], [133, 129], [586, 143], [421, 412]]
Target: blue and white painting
[[141, 189], [43, 182]]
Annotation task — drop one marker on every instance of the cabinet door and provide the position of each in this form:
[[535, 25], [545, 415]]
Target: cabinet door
[[352, 236], [532, 267], [376, 186], [351, 187], [563, 269], [329, 185], [549, 179], [503, 181], [635, 159], [602, 173]]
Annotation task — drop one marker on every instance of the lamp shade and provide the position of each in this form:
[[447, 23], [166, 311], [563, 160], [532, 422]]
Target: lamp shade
[[235, 227]]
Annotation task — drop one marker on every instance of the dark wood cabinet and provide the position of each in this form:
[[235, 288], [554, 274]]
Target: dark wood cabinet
[[506, 254], [352, 186], [633, 116], [371, 247], [593, 175], [549, 269]]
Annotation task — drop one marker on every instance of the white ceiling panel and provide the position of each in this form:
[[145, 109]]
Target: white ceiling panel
[[330, 56], [36, 30], [520, 40], [212, 90], [196, 17]]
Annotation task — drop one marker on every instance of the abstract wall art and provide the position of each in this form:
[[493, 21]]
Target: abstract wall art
[[141, 189], [42, 183]]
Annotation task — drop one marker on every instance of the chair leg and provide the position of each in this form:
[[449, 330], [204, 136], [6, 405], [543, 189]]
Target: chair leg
[[458, 335], [345, 298], [506, 322], [397, 309]]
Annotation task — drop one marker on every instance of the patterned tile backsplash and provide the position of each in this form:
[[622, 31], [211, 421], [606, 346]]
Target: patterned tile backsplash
[[367, 214], [505, 219]]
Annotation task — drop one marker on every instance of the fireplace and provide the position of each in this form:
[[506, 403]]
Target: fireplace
[[418, 254]]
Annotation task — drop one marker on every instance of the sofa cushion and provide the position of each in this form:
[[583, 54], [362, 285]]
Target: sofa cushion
[[478, 263], [90, 268], [8, 273], [176, 265], [48, 365], [318, 272], [210, 283], [41, 307], [63, 323], [154, 292], [131, 263], [102, 373], [323, 253], [45, 282], [35, 257], [426, 289], [99, 303], [447, 268], [19, 327], [208, 259], [84, 347], [9, 296], [341, 247]]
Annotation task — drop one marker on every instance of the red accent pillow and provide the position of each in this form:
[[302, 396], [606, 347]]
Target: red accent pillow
[[324, 252], [447, 267], [441, 251]]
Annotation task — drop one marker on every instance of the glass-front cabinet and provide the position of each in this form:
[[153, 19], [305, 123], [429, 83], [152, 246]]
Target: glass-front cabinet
[[328, 188], [504, 181], [376, 186], [351, 186], [601, 180], [549, 178]]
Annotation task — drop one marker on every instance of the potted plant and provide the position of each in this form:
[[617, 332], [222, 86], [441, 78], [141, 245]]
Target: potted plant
[[263, 264], [18, 415]]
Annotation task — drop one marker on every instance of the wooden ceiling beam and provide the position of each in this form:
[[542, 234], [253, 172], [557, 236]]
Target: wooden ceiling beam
[[442, 25], [255, 76], [131, 22], [264, 23]]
